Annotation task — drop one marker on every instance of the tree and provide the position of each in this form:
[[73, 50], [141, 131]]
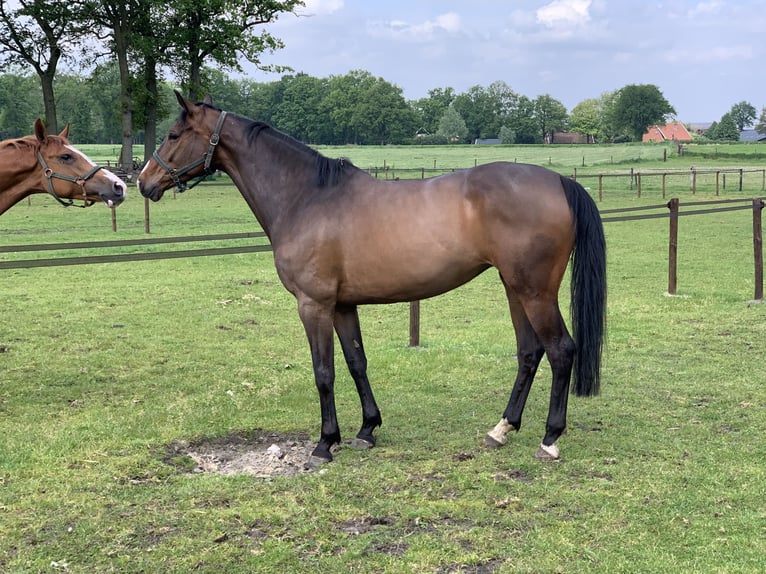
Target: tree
[[727, 129], [37, 34], [711, 132], [507, 135], [743, 114], [452, 126], [299, 111], [609, 130], [20, 104], [115, 20], [382, 115], [151, 38], [432, 108], [585, 119], [104, 90], [222, 31], [479, 111], [760, 127], [344, 94], [551, 116], [521, 120], [638, 106]]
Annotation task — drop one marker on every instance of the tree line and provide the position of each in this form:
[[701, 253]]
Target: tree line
[[130, 55]]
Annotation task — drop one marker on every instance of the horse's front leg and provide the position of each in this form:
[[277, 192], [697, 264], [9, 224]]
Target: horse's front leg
[[350, 336], [318, 322]]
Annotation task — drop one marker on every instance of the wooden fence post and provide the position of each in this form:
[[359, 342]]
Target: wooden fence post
[[600, 187], [758, 248], [414, 323], [114, 219], [146, 215], [673, 247]]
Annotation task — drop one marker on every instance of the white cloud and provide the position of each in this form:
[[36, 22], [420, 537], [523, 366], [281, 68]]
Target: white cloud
[[314, 7], [423, 31], [564, 13], [704, 8]]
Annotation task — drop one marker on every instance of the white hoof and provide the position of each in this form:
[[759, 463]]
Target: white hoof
[[497, 436], [547, 452]]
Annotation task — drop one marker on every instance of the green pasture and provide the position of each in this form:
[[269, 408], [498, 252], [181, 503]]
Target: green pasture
[[565, 158], [106, 368]]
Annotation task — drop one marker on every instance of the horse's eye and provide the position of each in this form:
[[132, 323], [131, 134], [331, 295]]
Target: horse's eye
[[66, 157], [172, 136]]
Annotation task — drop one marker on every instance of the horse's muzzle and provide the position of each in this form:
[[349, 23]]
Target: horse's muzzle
[[150, 190], [116, 195]]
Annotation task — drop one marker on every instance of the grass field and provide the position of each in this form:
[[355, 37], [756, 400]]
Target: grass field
[[106, 367]]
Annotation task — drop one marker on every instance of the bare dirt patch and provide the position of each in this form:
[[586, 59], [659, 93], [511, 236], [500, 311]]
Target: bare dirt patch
[[259, 453]]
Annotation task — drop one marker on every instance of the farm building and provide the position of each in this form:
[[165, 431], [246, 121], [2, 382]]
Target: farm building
[[674, 131], [751, 136]]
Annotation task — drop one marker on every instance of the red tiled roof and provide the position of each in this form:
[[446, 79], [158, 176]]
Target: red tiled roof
[[674, 131]]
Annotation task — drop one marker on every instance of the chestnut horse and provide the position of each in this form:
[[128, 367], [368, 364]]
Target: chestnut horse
[[342, 238], [45, 163]]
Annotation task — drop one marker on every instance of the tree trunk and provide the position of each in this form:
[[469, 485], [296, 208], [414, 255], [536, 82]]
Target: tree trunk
[[49, 100], [195, 77], [150, 131], [126, 99]]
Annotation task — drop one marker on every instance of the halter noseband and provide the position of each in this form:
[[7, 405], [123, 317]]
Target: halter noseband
[[50, 174], [205, 159]]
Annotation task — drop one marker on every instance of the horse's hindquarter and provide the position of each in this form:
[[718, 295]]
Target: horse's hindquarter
[[405, 240]]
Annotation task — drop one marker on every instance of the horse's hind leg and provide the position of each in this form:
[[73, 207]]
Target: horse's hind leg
[[545, 317], [346, 323], [529, 351]]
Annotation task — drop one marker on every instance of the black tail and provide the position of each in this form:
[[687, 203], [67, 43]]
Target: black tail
[[588, 289]]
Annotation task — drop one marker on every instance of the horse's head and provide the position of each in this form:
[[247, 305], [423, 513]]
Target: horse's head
[[186, 153], [67, 173]]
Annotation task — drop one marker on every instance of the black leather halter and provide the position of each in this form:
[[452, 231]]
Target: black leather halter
[[205, 159], [79, 180]]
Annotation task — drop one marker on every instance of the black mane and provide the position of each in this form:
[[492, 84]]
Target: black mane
[[329, 171]]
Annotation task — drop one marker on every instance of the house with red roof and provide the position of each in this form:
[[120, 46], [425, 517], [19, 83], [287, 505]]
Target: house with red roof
[[674, 131]]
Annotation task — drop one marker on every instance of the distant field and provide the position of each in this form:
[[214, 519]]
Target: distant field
[[602, 158]]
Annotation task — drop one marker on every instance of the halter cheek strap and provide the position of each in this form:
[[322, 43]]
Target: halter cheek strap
[[205, 160], [80, 180]]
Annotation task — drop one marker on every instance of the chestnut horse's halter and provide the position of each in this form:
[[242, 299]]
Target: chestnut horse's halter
[[50, 174], [205, 159]]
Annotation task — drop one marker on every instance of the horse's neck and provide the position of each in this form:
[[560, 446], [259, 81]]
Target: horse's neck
[[267, 182], [14, 173]]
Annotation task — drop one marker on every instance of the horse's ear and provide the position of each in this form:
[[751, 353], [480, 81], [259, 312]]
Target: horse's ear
[[182, 101], [65, 132], [208, 100], [40, 132]]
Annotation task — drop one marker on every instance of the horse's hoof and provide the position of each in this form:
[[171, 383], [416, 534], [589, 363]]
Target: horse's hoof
[[361, 444], [547, 453], [315, 462], [490, 442]]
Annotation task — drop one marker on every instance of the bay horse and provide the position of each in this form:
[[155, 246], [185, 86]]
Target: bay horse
[[342, 238], [46, 163]]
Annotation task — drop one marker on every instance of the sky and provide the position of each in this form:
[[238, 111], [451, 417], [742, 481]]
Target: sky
[[704, 56]]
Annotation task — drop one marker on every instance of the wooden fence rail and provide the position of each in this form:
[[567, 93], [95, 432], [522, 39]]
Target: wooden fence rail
[[608, 216], [638, 179]]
